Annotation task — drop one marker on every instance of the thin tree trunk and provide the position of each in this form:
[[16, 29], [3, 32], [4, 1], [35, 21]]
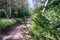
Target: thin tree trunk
[[9, 12]]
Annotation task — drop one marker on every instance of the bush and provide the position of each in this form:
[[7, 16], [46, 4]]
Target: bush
[[5, 23], [45, 27]]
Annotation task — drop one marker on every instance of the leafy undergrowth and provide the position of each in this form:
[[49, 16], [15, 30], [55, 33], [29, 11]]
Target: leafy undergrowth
[[28, 34], [5, 23], [20, 20]]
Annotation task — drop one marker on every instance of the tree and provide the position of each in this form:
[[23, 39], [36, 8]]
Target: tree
[[21, 8], [12, 5]]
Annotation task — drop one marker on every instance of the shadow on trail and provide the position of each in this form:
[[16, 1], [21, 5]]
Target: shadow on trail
[[9, 30], [14, 32]]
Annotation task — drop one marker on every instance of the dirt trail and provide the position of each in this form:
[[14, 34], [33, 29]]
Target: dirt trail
[[15, 32]]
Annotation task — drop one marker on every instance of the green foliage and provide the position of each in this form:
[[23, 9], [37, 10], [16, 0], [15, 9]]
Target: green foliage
[[46, 24], [20, 12], [5, 23]]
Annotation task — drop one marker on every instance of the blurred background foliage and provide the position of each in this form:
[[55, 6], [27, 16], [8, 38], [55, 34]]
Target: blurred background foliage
[[15, 11]]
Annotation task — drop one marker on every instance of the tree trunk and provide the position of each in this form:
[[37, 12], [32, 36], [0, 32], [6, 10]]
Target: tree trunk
[[9, 12], [4, 12]]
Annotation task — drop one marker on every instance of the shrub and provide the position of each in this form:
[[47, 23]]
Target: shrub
[[47, 26], [5, 23]]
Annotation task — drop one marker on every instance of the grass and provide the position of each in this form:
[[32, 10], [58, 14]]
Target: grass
[[5, 23]]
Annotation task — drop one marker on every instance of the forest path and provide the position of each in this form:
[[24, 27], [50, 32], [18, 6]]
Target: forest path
[[15, 33]]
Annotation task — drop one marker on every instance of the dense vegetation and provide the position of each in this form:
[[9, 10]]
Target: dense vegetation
[[5, 23], [45, 24], [18, 12]]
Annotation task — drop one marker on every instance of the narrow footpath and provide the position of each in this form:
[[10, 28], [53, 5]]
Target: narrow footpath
[[15, 33]]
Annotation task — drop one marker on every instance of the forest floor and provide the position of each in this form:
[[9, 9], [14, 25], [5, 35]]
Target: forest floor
[[15, 32]]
